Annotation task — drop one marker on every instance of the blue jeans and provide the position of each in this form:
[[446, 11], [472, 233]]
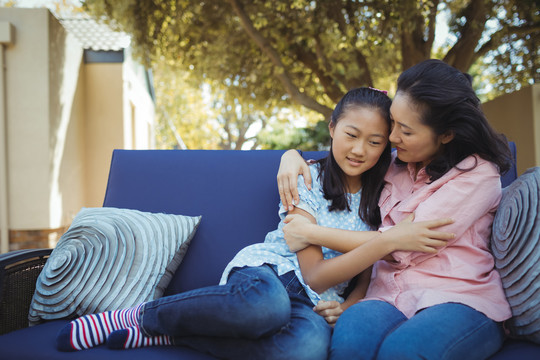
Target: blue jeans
[[256, 315], [377, 330]]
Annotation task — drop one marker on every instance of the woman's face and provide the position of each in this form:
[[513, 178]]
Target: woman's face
[[358, 140], [414, 141]]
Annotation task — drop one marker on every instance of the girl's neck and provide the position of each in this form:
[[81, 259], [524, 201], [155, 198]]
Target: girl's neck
[[353, 188]]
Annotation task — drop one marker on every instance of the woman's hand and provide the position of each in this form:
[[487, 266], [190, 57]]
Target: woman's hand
[[410, 236], [329, 310], [291, 165], [295, 232]]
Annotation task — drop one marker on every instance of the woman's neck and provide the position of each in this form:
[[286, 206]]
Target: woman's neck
[[417, 167]]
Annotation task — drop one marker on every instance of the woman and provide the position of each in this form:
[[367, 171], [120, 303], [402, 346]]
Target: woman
[[448, 160]]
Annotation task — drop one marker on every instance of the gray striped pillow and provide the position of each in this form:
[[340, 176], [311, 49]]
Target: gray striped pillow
[[515, 244], [110, 259]]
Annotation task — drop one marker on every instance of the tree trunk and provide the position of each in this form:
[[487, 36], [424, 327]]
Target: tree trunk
[[416, 36], [462, 55]]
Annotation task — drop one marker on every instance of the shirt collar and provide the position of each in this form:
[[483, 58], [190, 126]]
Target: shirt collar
[[421, 176]]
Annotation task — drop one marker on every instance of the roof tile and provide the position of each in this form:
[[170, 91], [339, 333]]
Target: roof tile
[[94, 35]]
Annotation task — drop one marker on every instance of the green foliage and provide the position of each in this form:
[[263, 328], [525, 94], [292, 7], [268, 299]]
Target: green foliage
[[181, 112], [261, 56], [305, 138], [199, 116]]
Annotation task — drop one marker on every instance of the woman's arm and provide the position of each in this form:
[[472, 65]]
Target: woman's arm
[[407, 235], [291, 165], [321, 274], [300, 233], [467, 198]]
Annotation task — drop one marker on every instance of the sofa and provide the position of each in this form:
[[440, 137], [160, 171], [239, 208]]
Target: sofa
[[235, 192]]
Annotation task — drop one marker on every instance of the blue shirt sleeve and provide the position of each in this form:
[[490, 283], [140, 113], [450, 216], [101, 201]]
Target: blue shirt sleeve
[[310, 200]]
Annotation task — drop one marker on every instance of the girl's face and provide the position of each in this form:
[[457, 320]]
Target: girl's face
[[358, 140], [414, 141]]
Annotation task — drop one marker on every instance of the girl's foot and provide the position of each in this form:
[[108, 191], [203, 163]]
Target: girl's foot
[[133, 337], [92, 330]]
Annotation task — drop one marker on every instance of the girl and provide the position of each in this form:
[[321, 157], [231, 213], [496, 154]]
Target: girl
[[263, 307], [447, 305]]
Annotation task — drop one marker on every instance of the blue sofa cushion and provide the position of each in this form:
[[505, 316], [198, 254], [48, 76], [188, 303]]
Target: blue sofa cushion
[[39, 342], [515, 244], [110, 259], [234, 191]]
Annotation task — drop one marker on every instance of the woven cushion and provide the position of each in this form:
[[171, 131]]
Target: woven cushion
[[515, 245], [110, 259]]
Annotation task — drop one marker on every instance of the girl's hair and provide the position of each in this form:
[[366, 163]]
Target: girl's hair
[[331, 175], [447, 102]]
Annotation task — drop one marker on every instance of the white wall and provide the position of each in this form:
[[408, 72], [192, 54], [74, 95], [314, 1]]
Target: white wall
[[517, 115], [66, 137], [64, 118], [28, 118]]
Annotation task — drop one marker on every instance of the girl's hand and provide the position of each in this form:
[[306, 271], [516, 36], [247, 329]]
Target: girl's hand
[[329, 310], [410, 236], [291, 165], [295, 232]]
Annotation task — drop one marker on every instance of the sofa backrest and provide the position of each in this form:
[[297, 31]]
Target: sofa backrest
[[234, 191], [511, 175]]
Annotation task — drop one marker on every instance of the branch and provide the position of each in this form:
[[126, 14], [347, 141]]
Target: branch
[[462, 54], [335, 13], [309, 59], [281, 71], [172, 127], [365, 78], [432, 19], [495, 39], [414, 47]]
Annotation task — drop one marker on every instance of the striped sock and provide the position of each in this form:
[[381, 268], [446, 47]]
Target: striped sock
[[132, 337], [92, 330]]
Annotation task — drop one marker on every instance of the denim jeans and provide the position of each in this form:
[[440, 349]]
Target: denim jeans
[[377, 330], [256, 315]]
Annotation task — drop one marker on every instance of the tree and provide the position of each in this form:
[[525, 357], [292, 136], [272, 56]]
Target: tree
[[313, 51], [274, 53], [203, 116], [182, 112]]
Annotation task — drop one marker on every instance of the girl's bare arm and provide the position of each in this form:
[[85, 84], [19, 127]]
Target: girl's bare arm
[[407, 235]]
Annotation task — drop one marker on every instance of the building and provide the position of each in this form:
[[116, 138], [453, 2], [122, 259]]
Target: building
[[517, 115], [70, 93]]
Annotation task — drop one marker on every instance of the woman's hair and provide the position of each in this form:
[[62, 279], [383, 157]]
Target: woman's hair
[[446, 101], [331, 175]]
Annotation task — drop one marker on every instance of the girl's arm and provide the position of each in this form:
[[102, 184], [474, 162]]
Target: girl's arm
[[360, 289], [300, 233], [332, 310], [407, 235], [291, 165], [321, 274]]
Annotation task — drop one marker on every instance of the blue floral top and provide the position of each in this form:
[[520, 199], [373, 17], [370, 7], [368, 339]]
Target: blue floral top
[[274, 250]]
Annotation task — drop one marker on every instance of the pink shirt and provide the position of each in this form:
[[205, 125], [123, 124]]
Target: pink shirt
[[463, 271]]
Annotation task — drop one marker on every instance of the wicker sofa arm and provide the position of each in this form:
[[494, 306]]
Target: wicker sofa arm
[[18, 274]]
